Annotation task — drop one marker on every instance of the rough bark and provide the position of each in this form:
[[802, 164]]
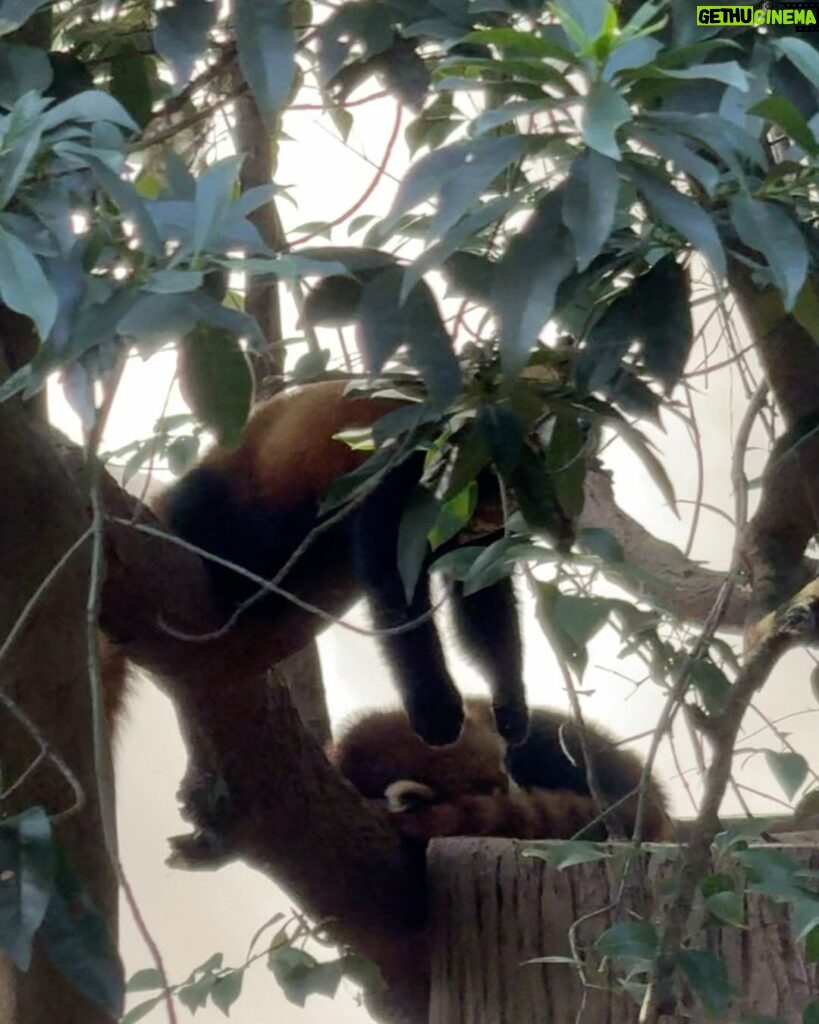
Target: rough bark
[[492, 910], [774, 543], [676, 582], [45, 674]]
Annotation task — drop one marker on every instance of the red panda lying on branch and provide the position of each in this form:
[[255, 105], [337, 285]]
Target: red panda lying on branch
[[254, 505], [478, 787]]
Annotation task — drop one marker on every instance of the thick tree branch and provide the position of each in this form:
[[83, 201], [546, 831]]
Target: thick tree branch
[[44, 679], [774, 544], [677, 582]]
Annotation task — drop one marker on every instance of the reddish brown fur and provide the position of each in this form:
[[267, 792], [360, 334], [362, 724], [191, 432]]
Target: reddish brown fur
[[471, 790], [382, 748], [280, 461], [114, 677]]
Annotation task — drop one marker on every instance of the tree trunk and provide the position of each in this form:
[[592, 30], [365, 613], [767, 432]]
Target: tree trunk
[[492, 910], [45, 675]]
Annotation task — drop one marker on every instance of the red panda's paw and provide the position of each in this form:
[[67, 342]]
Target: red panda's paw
[[512, 722], [437, 721]]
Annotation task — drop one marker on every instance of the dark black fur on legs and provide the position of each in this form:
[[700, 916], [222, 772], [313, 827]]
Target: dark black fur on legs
[[431, 699], [488, 625]]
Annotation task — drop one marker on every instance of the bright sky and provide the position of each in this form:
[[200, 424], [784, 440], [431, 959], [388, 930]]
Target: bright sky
[[193, 915]]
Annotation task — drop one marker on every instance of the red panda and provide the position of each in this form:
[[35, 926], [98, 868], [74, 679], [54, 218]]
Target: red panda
[[478, 786], [253, 505]]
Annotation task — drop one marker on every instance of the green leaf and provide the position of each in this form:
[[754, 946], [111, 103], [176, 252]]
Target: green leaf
[[17, 160], [802, 55], [26, 881], [503, 435], [226, 990], [129, 201], [310, 365], [589, 15], [812, 946], [92, 105], [14, 13], [516, 43], [581, 617], [806, 916], [385, 324], [708, 978], [769, 229], [711, 684], [715, 883], [23, 285], [420, 515], [291, 968], [453, 515], [739, 833], [786, 115], [214, 194], [641, 448], [136, 1013], [604, 112], [267, 48], [22, 69], [145, 980], [772, 873], [170, 281], [810, 1015], [155, 319], [653, 313], [194, 995], [567, 854], [365, 973], [808, 806], [216, 381], [566, 463], [562, 642], [728, 907], [602, 543], [728, 72], [131, 83], [589, 204], [632, 53], [455, 176], [789, 769], [492, 564], [539, 257], [628, 940], [681, 213], [75, 938], [677, 150], [181, 454], [181, 35]]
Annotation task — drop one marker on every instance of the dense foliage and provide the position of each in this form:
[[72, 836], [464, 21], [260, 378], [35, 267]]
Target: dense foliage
[[574, 164]]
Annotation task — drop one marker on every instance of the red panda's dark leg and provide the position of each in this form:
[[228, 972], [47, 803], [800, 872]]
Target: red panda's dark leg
[[488, 625], [430, 697]]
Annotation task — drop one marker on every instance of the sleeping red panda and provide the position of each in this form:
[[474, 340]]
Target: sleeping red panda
[[478, 786], [254, 504]]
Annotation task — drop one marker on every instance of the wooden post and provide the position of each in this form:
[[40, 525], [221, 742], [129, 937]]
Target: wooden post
[[492, 910]]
